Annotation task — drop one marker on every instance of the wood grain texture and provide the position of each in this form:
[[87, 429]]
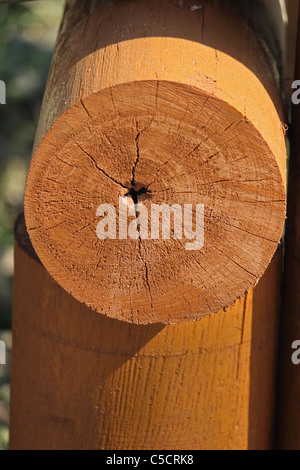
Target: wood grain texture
[[179, 101], [84, 381], [289, 403]]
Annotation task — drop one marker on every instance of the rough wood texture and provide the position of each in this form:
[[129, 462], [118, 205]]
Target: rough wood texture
[[289, 403], [175, 98], [84, 381]]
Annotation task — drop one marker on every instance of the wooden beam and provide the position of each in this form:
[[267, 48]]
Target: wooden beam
[[80, 380], [178, 102]]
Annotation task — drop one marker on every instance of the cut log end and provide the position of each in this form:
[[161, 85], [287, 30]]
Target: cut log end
[[156, 143]]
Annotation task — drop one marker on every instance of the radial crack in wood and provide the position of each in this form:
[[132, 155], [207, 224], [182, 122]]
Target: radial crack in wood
[[151, 110]]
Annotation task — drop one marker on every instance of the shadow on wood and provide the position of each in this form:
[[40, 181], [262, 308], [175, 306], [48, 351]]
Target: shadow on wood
[[83, 381]]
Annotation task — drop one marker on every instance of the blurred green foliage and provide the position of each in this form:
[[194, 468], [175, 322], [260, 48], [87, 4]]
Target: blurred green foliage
[[27, 37]]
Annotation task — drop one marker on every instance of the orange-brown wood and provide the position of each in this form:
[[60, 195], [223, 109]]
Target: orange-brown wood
[[290, 44], [178, 99], [81, 380]]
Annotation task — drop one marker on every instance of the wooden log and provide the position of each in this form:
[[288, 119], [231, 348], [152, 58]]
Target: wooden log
[[173, 102], [80, 380], [289, 404], [290, 46]]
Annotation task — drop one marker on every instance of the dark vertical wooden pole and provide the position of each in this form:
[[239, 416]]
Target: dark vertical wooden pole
[[289, 390]]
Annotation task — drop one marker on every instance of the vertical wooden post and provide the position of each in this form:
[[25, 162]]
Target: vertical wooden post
[[84, 381]]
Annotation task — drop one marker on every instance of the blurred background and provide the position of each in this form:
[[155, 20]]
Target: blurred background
[[27, 37]]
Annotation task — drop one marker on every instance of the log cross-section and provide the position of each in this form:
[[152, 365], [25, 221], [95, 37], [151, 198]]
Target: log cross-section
[[177, 103]]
